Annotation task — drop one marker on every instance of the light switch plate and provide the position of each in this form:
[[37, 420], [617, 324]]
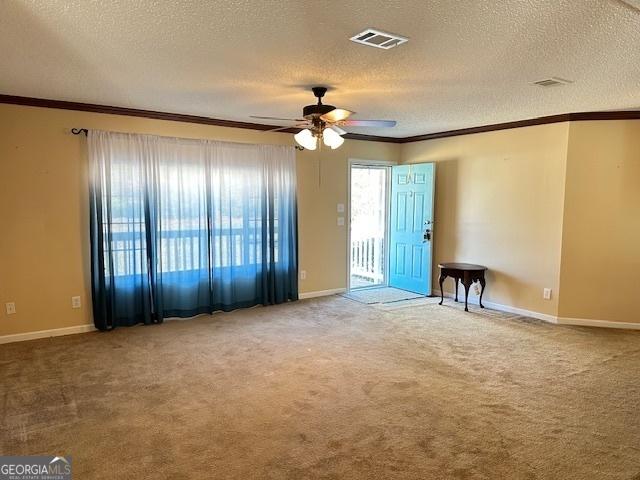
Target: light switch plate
[[76, 302], [341, 221], [303, 274], [341, 208]]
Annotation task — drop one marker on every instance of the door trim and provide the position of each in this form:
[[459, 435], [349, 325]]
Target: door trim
[[433, 223], [368, 163]]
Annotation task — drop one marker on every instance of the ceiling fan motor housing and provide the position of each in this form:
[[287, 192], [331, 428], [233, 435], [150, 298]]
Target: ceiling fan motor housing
[[316, 110], [311, 111]]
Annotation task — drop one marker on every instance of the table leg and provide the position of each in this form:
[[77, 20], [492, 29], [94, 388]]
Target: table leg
[[467, 284], [440, 281], [456, 280], [482, 284]]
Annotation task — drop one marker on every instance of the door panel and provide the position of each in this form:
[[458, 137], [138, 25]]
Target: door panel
[[416, 266], [411, 214], [401, 254]]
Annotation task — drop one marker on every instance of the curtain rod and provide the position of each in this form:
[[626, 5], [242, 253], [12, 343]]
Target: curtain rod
[[78, 131]]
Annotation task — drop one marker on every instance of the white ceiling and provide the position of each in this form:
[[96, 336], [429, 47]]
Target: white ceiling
[[467, 63]]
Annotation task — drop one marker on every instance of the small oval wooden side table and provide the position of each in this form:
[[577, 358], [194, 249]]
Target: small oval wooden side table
[[467, 273]]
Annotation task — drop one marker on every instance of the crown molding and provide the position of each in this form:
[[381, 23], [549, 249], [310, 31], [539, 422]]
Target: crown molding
[[563, 117], [489, 128], [174, 117], [179, 117]]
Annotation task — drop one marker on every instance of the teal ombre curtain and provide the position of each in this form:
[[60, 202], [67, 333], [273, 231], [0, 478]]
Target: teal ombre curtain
[[181, 227]]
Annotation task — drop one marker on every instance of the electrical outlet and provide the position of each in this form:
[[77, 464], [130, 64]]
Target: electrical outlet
[[303, 274], [75, 302], [341, 208], [546, 294], [341, 221], [11, 308]]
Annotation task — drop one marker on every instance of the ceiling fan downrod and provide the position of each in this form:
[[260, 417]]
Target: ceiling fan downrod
[[313, 112]]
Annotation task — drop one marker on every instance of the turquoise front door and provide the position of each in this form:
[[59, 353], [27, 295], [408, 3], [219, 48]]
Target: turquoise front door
[[411, 227]]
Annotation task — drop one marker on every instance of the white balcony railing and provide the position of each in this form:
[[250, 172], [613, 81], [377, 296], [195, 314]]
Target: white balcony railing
[[367, 261]]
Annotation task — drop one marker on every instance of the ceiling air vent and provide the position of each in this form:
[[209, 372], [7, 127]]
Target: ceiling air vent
[[378, 39], [635, 4], [552, 82]]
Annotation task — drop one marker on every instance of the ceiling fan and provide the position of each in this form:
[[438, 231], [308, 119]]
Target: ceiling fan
[[325, 122]]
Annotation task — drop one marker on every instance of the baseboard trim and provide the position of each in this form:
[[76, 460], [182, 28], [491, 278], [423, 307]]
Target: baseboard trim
[[321, 293], [54, 332], [521, 311], [58, 332], [578, 322], [581, 322], [475, 300], [587, 322]]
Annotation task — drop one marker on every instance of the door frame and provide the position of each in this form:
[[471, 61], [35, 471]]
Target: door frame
[[369, 163], [433, 221]]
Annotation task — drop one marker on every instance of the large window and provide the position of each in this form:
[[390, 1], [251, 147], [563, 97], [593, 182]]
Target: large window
[[185, 242], [211, 222]]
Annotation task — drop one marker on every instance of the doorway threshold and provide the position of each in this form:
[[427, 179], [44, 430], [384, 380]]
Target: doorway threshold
[[375, 295]]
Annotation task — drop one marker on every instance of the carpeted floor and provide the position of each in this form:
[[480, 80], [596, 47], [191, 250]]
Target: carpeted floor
[[331, 389]]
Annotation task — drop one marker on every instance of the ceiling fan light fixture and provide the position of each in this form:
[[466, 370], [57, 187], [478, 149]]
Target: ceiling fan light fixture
[[331, 138], [306, 139], [324, 121]]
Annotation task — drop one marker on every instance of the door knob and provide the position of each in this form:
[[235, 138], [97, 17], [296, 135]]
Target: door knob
[[427, 235]]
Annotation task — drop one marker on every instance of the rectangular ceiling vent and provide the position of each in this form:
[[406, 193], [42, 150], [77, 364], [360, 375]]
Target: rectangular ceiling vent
[[552, 82], [635, 4], [379, 39]]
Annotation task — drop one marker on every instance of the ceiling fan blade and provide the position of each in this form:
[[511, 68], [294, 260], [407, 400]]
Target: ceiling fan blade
[[304, 125], [338, 130], [368, 123], [279, 118], [336, 115]]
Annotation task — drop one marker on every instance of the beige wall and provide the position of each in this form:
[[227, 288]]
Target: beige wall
[[322, 183], [499, 198], [44, 220], [600, 275], [554, 206]]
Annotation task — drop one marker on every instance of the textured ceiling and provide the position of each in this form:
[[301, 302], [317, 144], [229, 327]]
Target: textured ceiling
[[467, 63]]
